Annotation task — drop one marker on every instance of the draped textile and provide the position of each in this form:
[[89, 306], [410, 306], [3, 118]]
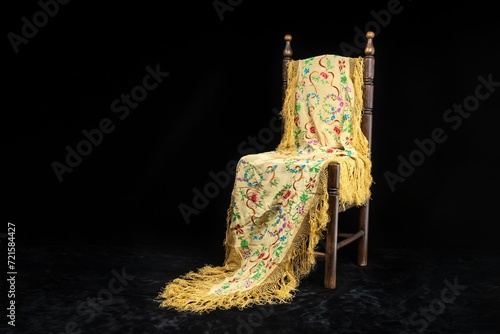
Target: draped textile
[[279, 208]]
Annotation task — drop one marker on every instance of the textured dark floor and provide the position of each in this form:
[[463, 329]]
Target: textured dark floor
[[111, 289]]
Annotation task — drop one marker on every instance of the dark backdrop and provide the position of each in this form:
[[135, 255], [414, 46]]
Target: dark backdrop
[[72, 73]]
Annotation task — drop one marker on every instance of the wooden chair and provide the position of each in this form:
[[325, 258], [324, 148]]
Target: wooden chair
[[335, 240]]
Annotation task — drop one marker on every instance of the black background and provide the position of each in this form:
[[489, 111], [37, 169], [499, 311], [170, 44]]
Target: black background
[[224, 82]]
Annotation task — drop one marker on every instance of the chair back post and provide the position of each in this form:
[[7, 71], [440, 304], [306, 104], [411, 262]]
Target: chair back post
[[287, 57], [368, 78]]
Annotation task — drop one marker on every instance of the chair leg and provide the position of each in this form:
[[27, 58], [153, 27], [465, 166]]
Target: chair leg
[[331, 254], [363, 241], [330, 280]]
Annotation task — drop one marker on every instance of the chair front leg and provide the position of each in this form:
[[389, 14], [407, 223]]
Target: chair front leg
[[332, 227], [363, 241]]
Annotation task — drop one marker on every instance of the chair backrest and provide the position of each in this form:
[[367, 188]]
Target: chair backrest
[[368, 81]]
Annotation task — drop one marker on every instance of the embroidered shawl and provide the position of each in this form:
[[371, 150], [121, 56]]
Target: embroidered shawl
[[278, 209]]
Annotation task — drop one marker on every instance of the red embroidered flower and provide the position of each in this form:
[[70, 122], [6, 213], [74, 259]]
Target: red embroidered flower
[[336, 129], [329, 150], [287, 194], [341, 64], [324, 75], [238, 229], [254, 197], [270, 263], [310, 184], [312, 130]]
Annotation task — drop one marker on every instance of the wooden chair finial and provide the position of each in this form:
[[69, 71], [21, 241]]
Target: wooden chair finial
[[369, 49], [287, 52]]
